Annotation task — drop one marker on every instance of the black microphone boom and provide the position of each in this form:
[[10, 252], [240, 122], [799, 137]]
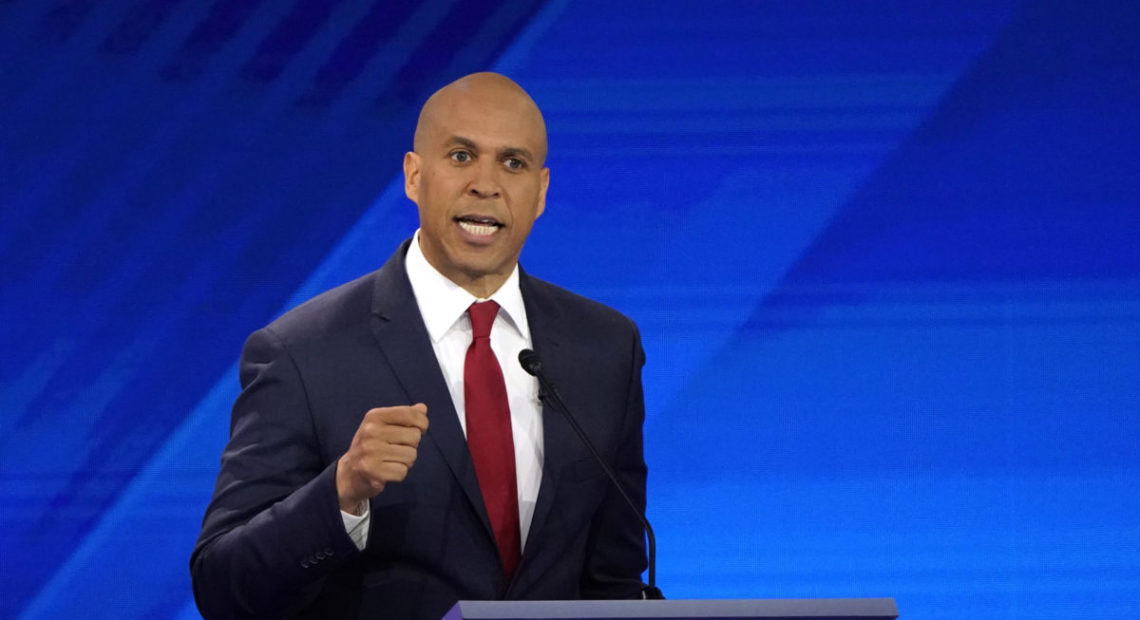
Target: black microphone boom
[[533, 366]]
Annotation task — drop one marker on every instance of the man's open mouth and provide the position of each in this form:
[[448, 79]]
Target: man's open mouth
[[479, 226]]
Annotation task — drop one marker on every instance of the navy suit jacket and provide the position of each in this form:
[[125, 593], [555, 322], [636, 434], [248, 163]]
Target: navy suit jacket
[[273, 543]]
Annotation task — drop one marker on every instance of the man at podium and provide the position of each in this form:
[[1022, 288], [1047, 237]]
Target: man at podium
[[388, 455]]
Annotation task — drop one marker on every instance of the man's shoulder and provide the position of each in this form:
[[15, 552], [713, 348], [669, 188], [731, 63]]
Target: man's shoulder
[[550, 298], [344, 307]]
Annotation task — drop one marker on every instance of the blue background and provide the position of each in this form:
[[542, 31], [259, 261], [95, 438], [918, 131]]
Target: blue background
[[884, 256]]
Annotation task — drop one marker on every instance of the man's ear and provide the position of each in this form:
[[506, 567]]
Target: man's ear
[[412, 176], [544, 180]]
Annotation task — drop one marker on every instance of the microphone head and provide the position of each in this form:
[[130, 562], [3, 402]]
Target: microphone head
[[530, 362]]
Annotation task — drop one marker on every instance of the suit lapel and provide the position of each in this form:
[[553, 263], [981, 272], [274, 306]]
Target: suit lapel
[[399, 329], [548, 333]]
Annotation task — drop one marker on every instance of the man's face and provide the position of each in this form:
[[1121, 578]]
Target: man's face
[[478, 178]]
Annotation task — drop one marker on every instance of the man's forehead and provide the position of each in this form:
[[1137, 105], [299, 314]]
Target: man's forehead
[[488, 109], [486, 136], [471, 115]]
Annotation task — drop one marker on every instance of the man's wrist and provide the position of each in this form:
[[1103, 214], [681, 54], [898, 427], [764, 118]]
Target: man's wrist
[[349, 505], [355, 509]]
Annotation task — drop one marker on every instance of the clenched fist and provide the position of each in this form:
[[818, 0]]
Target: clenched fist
[[382, 451]]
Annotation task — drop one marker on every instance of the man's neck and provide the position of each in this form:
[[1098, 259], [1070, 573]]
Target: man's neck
[[481, 285]]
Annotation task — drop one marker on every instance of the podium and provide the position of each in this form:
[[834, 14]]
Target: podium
[[768, 609]]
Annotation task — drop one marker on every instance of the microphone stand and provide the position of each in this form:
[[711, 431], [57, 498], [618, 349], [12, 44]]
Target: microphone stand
[[531, 364]]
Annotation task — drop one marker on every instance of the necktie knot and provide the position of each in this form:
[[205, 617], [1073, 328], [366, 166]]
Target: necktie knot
[[483, 315]]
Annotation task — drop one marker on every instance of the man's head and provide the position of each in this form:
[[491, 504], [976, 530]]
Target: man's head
[[477, 173]]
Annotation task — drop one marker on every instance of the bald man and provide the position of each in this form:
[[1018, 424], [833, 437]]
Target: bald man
[[388, 456]]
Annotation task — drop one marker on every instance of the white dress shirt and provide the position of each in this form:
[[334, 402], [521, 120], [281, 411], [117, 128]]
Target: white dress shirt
[[443, 306]]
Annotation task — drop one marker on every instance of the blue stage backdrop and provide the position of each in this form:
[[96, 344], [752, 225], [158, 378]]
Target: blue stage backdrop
[[885, 256]]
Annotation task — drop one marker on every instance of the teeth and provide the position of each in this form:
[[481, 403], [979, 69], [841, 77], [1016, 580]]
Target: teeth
[[482, 230]]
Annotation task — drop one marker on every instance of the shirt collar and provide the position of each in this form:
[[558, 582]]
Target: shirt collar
[[442, 302]]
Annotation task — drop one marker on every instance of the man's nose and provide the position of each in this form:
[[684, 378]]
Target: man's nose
[[485, 182]]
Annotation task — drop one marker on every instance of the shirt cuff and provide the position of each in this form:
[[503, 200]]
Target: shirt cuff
[[357, 526]]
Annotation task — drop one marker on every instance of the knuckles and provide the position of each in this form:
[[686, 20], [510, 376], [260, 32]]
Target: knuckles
[[385, 446], [403, 416]]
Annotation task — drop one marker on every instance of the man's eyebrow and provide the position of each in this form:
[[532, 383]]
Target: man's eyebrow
[[461, 141], [515, 151], [510, 151]]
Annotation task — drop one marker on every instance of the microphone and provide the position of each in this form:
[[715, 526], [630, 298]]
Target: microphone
[[533, 366]]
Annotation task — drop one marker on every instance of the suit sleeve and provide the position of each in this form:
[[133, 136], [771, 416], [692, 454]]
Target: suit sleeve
[[616, 553], [273, 529]]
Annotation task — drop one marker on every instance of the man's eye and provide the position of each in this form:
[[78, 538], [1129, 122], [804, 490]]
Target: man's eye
[[461, 157], [514, 163]]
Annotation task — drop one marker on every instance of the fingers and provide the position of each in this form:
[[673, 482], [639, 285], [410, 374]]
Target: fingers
[[393, 472], [400, 454], [383, 450], [376, 434], [414, 416]]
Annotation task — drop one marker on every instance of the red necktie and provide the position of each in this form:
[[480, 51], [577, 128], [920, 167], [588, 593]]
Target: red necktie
[[489, 434]]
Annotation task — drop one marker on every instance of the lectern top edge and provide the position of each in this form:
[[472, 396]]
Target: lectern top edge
[[740, 609]]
